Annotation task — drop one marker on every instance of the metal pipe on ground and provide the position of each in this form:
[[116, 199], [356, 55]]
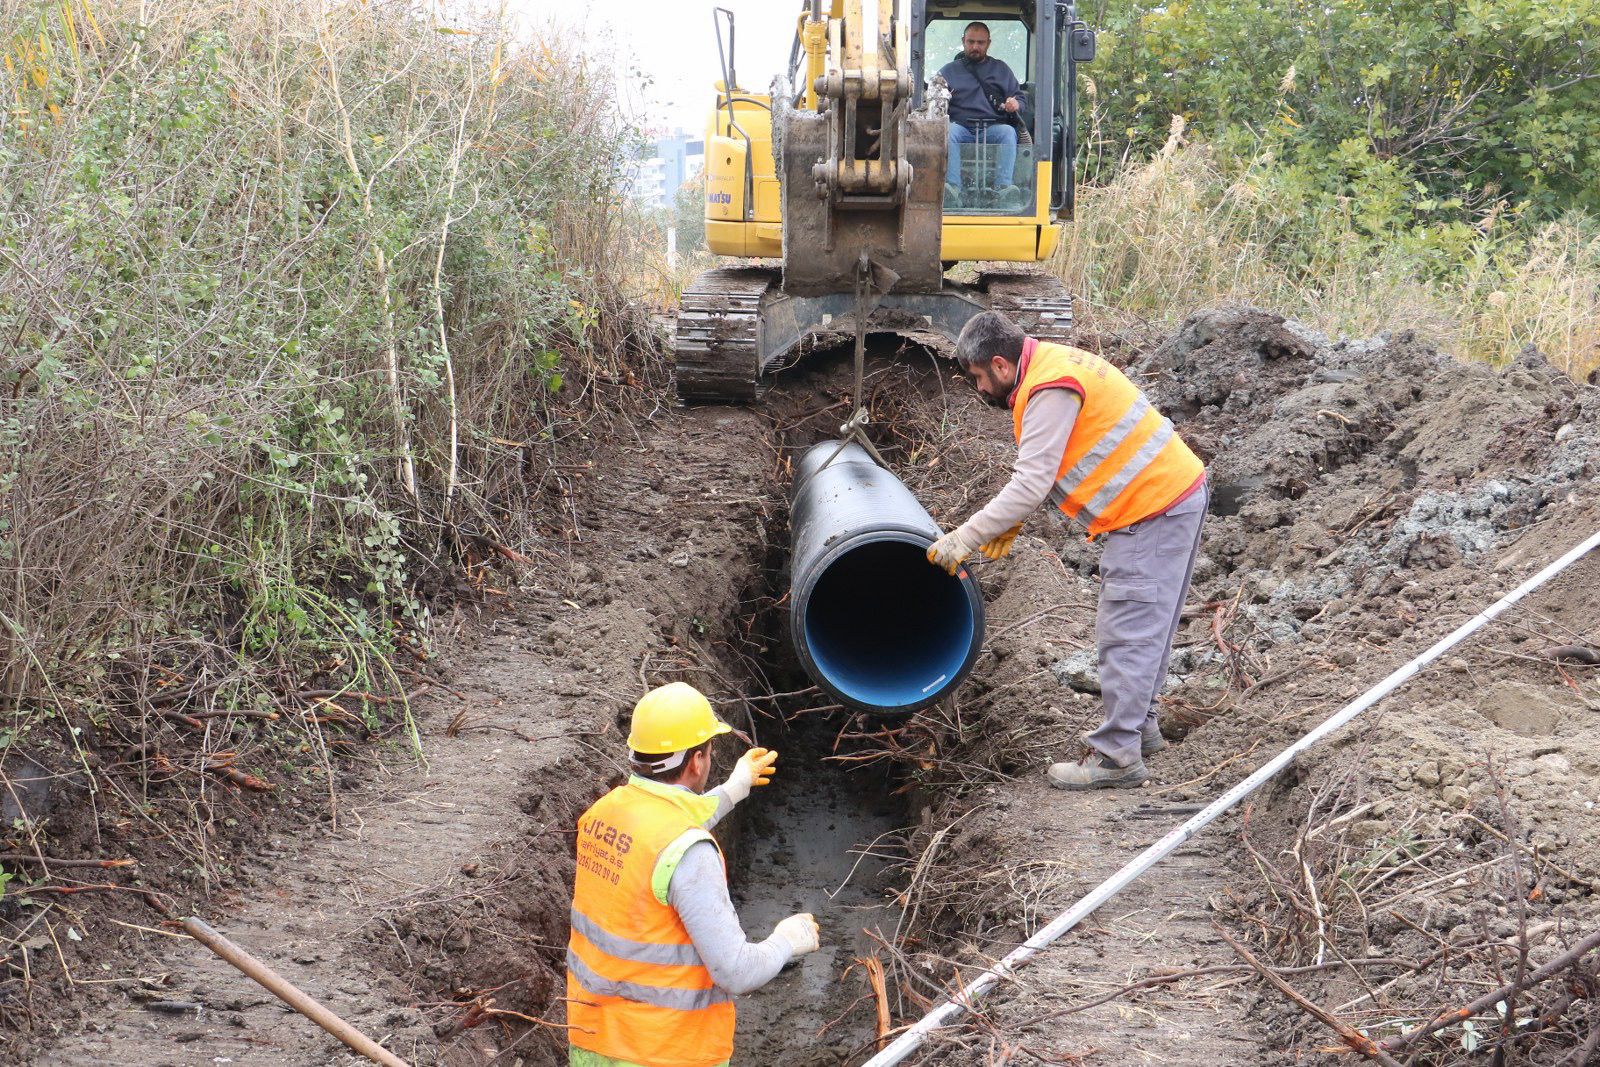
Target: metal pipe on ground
[[873, 622], [274, 983], [913, 1039]]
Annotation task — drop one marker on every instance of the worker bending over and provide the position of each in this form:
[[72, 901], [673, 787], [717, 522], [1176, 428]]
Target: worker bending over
[[657, 953], [1090, 442]]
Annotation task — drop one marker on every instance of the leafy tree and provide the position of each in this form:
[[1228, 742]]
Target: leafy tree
[[1468, 99]]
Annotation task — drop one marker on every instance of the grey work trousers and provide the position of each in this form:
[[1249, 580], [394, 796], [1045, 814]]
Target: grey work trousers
[[1144, 578]]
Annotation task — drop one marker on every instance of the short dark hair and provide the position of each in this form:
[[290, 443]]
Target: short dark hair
[[670, 775], [988, 334], [984, 26]]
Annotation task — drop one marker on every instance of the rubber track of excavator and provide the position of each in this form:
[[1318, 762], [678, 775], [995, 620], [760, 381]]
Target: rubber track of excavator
[[1039, 303], [716, 344]]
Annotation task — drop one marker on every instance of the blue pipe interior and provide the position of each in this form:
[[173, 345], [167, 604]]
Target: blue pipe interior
[[886, 627]]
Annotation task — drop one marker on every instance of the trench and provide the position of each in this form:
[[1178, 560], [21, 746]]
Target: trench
[[820, 839], [828, 836]]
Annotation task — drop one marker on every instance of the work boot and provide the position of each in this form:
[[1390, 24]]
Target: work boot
[[952, 197], [1150, 739], [1096, 771], [1009, 199]]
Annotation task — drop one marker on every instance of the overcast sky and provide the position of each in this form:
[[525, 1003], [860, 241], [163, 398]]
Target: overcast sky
[[673, 48]]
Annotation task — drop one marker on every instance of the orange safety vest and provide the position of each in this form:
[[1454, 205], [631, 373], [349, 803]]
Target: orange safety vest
[[636, 988], [1124, 461]]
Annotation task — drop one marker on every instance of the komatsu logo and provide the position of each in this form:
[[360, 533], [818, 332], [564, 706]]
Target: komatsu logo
[[719, 198]]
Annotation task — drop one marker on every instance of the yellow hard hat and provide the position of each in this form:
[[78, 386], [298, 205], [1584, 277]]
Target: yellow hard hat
[[673, 718]]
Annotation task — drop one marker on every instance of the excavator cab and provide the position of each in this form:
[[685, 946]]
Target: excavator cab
[[840, 176], [1042, 44]]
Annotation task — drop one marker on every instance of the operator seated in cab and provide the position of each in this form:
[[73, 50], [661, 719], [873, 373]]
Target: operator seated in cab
[[984, 94]]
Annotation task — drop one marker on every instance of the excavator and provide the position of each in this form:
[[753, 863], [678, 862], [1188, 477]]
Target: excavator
[[835, 191]]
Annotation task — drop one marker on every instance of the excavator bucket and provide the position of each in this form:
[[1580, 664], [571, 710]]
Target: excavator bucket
[[825, 235]]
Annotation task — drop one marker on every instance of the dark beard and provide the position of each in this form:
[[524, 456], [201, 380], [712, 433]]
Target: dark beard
[[993, 401]]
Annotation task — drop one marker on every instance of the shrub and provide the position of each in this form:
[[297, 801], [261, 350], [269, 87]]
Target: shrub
[[289, 293], [1193, 227]]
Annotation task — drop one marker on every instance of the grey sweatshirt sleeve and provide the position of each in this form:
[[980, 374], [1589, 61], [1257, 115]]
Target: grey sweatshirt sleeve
[[1046, 425], [699, 894], [724, 805]]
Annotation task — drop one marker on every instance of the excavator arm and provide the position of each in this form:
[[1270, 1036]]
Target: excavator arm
[[861, 173]]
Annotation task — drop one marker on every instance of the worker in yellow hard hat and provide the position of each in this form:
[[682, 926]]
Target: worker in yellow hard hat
[[657, 953]]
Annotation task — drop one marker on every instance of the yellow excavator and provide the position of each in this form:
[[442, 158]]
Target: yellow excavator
[[840, 172]]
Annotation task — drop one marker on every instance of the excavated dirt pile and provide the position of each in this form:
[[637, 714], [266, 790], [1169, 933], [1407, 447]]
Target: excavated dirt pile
[[1368, 498]]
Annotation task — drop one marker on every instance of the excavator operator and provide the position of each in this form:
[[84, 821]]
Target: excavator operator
[[984, 95]]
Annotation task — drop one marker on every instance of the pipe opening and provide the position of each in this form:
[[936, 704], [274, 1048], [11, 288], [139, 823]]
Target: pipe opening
[[886, 629]]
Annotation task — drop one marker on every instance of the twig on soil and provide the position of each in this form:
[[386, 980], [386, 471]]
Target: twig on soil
[[1348, 1034], [1489, 1000], [1154, 981], [1053, 608], [1562, 871], [68, 890], [240, 778], [52, 861], [154, 930], [275, 984], [880, 993], [1212, 773], [1583, 1055]]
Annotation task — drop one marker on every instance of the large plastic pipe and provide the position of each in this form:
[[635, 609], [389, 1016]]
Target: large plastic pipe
[[946, 1013], [873, 622]]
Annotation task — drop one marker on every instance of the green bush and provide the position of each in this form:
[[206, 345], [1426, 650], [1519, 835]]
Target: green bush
[[1467, 99], [288, 293]]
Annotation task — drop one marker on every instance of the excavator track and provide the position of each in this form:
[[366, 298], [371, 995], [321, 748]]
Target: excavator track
[[717, 343], [1039, 303]]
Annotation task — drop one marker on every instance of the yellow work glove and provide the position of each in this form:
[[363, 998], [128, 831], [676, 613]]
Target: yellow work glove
[[949, 551], [801, 932], [1001, 545], [755, 767]]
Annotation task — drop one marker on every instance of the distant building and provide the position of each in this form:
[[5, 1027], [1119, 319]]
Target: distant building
[[668, 163]]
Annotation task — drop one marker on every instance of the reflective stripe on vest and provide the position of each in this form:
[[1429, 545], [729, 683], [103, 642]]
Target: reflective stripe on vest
[[637, 951], [1132, 469], [1100, 452], [1123, 461], [656, 995]]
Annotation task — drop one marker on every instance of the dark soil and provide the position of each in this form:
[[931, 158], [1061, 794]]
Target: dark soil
[[1369, 497]]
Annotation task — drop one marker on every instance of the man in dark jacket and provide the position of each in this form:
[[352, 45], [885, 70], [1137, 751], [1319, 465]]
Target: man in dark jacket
[[984, 94]]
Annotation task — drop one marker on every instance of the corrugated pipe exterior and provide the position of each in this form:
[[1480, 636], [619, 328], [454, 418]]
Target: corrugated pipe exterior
[[874, 623]]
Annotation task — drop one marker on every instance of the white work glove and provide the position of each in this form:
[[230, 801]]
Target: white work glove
[[949, 551], [755, 767], [1001, 545], [801, 932]]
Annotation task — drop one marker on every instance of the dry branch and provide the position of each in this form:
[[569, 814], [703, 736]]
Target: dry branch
[[1489, 1000], [1347, 1033]]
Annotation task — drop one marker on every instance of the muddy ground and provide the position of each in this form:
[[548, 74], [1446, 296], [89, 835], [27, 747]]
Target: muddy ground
[[1369, 497]]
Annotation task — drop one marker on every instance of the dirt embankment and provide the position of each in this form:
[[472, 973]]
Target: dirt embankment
[[1369, 497], [439, 894]]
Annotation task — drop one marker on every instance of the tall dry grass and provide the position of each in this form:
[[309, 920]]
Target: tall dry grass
[[296, 299], [1184, 231]]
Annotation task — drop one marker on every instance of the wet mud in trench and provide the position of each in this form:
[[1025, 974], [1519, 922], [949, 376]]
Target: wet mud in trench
[[828, 836], [819, 839]]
